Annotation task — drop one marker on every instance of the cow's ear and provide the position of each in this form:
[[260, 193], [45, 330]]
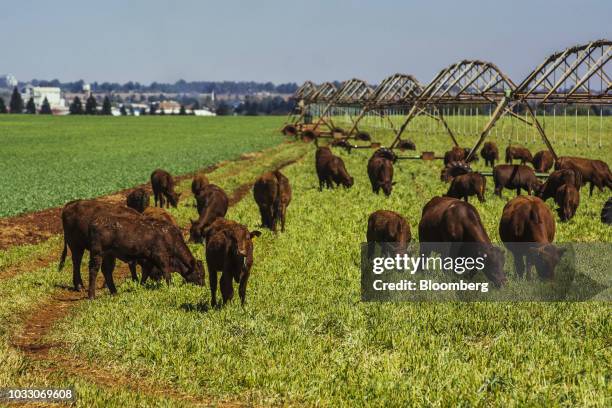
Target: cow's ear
[[255, 233], [394, 183]]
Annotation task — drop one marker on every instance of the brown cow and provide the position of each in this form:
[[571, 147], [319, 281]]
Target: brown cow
[[390, 230], [529, 220], [490, 153], [380, 172], [229, 249], [556, 179], [543, 161], [198, 183], [567, 198], [212, 202], [272, 194], [160, 215], [446, 219], [138, 199], [515, 176], [518, 152], [133, 238], [456, 154], [596, 172], [77, 216], [331, 169], [466, 185], [163, 187]]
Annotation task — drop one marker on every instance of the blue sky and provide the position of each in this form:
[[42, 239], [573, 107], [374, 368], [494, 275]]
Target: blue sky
[[282, 41]]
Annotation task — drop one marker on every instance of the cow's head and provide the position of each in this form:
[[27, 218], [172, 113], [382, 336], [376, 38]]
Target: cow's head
[[195, 273], [545, 258], [494, 266], [173, 198], [195, 232]]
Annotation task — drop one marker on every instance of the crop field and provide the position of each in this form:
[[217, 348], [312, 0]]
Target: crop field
[[303, 337], [47, 161]]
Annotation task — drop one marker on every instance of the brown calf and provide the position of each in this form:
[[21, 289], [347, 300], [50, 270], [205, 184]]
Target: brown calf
[[272, 194], [489, 153], [138, 199], [380, 172], [390, 230], [198, 183], [229, 249], [518, 152], [515, 177], [163, 188], [331, 169], [529, 220], [446, 219], [466, 185], [212, 203], [567, 198], [595, 172], [543, 161]]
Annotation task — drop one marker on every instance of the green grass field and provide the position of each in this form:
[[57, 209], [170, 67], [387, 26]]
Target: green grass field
[[304, 337], [47, 161]]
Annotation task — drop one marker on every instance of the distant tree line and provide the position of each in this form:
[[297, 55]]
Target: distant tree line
[[180, 86], [264, 106]]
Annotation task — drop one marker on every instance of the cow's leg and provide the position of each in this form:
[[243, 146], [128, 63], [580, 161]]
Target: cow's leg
[[212, 280], [227, 289], [591, 188], [94, 266], [282, 215], [108, 266], [242, 288], [77, 257], [329, 182], [132, 266], [518, 191], [519, 264]]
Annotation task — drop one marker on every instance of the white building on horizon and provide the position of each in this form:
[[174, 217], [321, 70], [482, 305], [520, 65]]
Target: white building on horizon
[[39, 93]]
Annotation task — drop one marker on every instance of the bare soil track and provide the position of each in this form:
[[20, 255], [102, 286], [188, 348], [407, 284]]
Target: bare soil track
[[39, 321]]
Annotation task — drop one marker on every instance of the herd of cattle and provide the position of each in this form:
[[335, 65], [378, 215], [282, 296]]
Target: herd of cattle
[[149, 237], [525, 219]]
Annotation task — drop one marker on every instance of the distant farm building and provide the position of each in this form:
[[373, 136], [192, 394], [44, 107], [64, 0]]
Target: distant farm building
[[53, 95]]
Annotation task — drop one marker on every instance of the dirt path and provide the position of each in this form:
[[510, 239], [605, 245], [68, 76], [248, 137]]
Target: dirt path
[[32, 339], [38, 226]]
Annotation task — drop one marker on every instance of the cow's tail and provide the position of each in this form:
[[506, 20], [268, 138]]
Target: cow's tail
[[63, 257]]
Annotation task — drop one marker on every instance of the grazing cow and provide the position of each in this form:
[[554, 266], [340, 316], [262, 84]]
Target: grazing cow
[[456, 154], [543, 161], [556, 179], [380, 172], [454, 169], [446, 219], [76, 218], [567, 198], [229, 249], [138, 200], [528, 220], [163, 187], [390, 230], [518, 152], [606, 212], [133, 238], [212, 202], [331, 169], [159, 215], [272, 194], [515, 176], [595, 172], [198, 183], [489, 153], [466, 185]]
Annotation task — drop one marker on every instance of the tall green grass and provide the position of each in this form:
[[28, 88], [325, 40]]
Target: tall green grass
[[46, 161]]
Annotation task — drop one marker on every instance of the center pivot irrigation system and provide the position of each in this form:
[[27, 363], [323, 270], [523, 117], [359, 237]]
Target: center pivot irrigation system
[[577, 79]]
